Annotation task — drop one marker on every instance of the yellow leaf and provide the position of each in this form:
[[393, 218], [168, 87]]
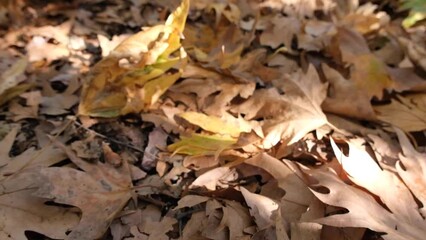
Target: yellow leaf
[[14, 92], [213, 124], [9, 81], [370, 75], [138, 71], [201, 144]]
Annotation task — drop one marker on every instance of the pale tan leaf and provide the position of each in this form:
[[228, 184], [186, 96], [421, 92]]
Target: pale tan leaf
[[20, 211], [407, 113], [190, 201], [9, 78], [217, 177], [363, 210], [102, 184], [261, 208], [412, 168], [291, 116], [365, 172]]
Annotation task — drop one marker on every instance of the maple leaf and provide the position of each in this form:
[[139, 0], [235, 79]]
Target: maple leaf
[[222, 219], [138, 71], [101, 191], [290, 116], [20, 211], [364, 211]]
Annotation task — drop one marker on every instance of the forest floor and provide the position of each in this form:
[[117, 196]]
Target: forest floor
[[220, 119]]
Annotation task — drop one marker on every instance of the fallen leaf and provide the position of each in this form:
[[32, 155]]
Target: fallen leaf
[[216, 125], [103, 192], [405, 112], [363, 210], [30, 159], [10, 77], [344, 98], [58, 104], [412, 169], [365, 172], [136, 73], [291, 116], [216, 178], [157, 140], [261, 208], [202, 144], [21, 212]]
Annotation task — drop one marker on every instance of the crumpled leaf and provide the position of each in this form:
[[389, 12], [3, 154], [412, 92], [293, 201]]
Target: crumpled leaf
[[407, 113], [369, 77], [101, 191], [216, 177], [202, 144], [138, 71]]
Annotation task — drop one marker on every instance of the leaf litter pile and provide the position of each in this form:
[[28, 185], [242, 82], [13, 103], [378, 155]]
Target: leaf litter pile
[[217, 120]]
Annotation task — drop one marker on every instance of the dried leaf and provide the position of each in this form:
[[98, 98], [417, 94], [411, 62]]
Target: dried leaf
[[363, 210], [103, 192], [20, 212], [412, 168], [291, 116], [138, 71], [407, 113], [365, 172], [216, 125], [261, 208], [202, 144]]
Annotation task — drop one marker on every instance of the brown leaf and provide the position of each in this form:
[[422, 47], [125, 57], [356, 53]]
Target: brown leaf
[[30, 159], [20, 212], [407, 113], [364, 211], [344, 98], [412, 169], [290, 116], [261, 208], [103, 192]]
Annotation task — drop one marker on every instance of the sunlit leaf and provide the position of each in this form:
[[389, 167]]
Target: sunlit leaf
[[214, 124], [201, 144], [138, 71]]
